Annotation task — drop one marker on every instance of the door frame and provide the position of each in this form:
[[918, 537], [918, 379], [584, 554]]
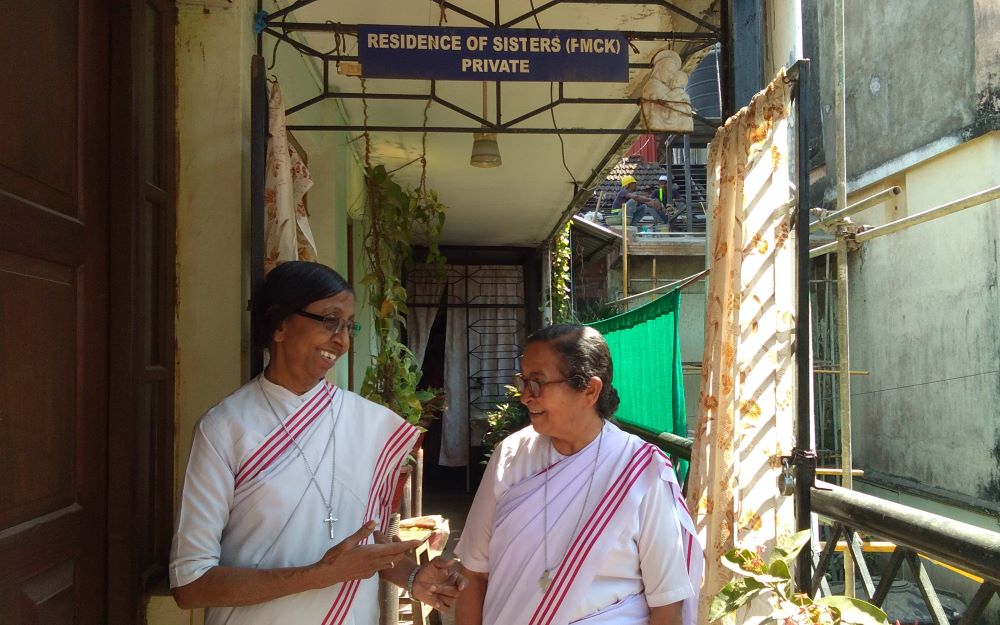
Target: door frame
[[140, 455]]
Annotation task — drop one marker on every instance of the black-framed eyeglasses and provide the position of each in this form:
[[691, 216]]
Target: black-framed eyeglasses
[[532, 388], [333, 324]]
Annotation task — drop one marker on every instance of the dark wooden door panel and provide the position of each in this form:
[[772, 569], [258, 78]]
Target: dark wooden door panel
[[40, 77], [39, 387], [48, 598], [53, 311]]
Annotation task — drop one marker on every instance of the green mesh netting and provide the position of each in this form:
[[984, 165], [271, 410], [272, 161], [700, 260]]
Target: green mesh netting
[[646, 351]]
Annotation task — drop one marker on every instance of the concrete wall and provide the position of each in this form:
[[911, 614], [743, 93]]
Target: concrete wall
[[925, 324], [921, 102], [921, 77], [924, 317]]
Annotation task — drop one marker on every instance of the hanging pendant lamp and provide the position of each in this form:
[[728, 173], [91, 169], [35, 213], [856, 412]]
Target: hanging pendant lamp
[[485, 149]]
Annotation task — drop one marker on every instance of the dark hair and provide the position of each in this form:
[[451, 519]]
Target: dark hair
[[289, 287], [585, 354]]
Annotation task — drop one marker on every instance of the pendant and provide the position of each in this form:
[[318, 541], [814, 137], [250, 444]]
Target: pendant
[[545, 581], [329, 519]]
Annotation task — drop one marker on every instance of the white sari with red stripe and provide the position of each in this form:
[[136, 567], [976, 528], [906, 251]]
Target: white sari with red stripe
[[248, 499], [634, 545]]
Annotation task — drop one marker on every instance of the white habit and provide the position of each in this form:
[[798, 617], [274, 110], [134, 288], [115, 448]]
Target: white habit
[[629, 546], [248, 499]]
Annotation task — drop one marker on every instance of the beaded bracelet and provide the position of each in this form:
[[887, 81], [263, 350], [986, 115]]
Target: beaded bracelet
[[412, 578]]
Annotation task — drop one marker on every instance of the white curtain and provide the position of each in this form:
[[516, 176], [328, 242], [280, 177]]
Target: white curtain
[[424, 289], [455, 421], [747, 383], [488, 340], [287, 235]]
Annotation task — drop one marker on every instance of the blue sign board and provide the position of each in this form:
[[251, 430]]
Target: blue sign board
[[445, 53]]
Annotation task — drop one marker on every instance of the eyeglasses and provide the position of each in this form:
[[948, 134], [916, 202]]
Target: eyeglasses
[[333, 324], [532, 388]]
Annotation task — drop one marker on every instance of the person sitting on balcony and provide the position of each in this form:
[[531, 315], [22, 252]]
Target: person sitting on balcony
[[664, 194], [290, 479], [576, 521], [635, 203]]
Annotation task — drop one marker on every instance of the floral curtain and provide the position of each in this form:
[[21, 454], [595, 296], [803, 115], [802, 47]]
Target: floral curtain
[[747, 383], [287, 235]]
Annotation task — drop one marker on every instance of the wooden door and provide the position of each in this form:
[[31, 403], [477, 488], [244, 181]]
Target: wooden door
[[54, 154]]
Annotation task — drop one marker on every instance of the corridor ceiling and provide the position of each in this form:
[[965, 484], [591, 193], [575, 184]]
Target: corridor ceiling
[[522, 201]]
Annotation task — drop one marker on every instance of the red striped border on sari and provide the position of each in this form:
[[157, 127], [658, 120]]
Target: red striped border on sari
[[584, 542], [275, 445], [379, 499]]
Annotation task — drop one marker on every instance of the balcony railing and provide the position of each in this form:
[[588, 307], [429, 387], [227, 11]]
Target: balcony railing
[[914, 536]]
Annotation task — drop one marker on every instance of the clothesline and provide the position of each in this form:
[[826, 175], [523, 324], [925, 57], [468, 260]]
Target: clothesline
[[677, 284]]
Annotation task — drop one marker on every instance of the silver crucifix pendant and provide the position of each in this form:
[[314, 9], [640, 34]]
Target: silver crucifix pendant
[[329, 519], [545, 580]]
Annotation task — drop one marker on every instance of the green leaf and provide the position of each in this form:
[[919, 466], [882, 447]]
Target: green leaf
[[854, 611], [733, 596], [789, 547], [779, 569], [738, 561]]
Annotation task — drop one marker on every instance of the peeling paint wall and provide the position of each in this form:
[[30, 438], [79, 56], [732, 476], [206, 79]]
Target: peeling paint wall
[[925, 322], [922, 112]]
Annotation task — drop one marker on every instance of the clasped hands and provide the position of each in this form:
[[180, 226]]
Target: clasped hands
[[437, 584]]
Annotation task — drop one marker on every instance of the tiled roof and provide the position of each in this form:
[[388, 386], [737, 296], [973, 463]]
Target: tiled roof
[[646, 175]]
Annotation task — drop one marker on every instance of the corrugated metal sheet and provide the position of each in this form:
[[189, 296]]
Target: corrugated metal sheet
[[644, 147]]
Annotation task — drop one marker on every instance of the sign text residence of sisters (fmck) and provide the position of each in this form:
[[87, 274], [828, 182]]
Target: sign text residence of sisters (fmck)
[[445, 53]]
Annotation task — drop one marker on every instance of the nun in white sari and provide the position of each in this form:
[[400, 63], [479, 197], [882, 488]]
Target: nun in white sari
[[576, 521], [289, 481]]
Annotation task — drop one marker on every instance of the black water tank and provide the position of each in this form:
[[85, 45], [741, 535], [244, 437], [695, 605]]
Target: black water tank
[[703, 86]]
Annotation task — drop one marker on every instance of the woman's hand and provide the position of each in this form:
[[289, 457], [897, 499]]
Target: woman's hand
[[349, 559], [439, 583], [234, 586]]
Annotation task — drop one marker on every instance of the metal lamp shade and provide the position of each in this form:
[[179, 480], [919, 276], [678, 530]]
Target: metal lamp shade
[[485, 151]]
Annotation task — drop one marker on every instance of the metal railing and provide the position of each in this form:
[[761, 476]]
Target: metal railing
[[915, 536]]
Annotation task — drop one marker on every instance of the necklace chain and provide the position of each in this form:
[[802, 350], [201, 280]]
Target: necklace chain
[[546, 579], [327, 501]]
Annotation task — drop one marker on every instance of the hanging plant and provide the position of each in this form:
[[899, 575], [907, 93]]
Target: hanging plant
[[398, 218]]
